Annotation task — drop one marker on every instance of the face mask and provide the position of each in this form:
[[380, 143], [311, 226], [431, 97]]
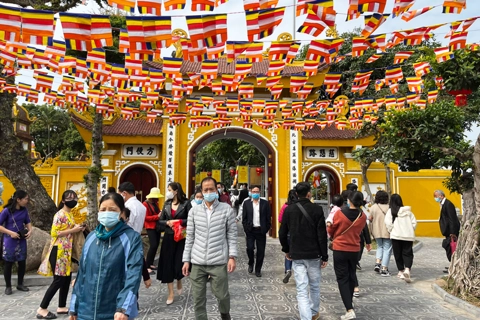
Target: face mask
[[71, 203], [169, 195], [249, 194], [210, 197], [220, 190], [108, 218], [438, 200], [198, 201], [256, 196]]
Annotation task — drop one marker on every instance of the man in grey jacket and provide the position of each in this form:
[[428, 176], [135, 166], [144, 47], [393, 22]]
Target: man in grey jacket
[[211, 249]]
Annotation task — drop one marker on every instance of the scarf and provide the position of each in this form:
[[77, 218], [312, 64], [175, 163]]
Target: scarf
[[103, 234]]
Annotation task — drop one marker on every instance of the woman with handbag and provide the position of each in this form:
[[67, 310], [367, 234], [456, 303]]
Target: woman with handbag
[[150, 224], [401, 223], [16, 225], [345, 231], [384, 244], [174, 215], [58, 261]]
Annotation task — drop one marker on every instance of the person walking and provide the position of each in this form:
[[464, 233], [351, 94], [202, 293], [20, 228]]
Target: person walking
[[224, 196], [401, 223], [345, 231], [151, 218], [384, 244], [292, 197], [176, 208], [305, 223], [58, 261], [110, 269], [197, 198], [210, 250], [16, 226], [449, 223], [137, 210], [257, 221]]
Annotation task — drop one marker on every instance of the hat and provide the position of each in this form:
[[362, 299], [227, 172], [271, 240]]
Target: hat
[[154, 193]]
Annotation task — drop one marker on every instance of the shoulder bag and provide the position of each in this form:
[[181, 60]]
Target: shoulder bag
[[330, 245], [307, 216], [22, 233]]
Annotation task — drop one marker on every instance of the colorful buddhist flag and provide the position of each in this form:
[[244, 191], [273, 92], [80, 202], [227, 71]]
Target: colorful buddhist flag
[[310, 67], [292, 52], [432, 96], [261, 24], [126, 5], [275, 68], [374, 57], [401, 56], [415, 84], [297, 82], [458, 40], [409, 15], [268, 4], [278, 50], [401, 6], [422, 68], [236, 48], [77, 30], [454, 6], [10, 23], [101, 34], [359, 46], [37, 27], [150, 7], [318, 19], [443, 54], [393, 74], [379, 84], [323, 49], [203, 5], [174, 4], [254, 52], [56, 50], [44, 81], [378, 42], [245, 90], [360, 6], [372, 22]]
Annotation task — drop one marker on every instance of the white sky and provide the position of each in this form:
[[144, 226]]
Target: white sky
[[237, 26]]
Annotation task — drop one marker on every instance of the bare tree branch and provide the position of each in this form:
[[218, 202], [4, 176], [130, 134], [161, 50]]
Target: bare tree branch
[[463, 156]]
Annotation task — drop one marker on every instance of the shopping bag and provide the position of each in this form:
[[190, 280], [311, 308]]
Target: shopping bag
[[179, 231]]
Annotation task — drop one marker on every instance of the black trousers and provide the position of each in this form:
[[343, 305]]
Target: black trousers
[[403, 253], [255, 238], [7, 272], [154, 239], [61, 283], [362, 246], [345, 271]]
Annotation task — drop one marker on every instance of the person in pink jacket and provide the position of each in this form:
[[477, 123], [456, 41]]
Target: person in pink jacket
[[292, 197]]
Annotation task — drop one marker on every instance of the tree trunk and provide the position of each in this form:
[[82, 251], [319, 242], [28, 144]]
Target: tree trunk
[[92, 178], [465, 269], [388, 182], [15, 165], [365, 179]]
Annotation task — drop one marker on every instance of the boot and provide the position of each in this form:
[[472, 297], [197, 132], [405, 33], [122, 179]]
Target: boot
[[225, 316]]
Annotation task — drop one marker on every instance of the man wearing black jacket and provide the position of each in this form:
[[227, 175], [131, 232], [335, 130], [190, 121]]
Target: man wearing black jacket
[[449, 224], [305, 222]]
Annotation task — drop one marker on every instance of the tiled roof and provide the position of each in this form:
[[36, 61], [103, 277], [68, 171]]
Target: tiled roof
[[329, 133], [229, 68], [121, 127]]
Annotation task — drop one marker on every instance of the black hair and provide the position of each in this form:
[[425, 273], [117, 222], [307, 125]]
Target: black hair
[[292, 197], [352, 187], [255, 186], [208, 179], [127, 186], [338, 200], [395, 204], [221, 184], [356, 198], [66, 194], [381, 197], [197, 191], [12, 202], [115, 197], [111, 190], [176, 186], [126, 213], [345, 194], [302, 189]]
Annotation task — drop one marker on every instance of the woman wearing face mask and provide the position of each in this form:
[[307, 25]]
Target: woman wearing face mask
[[170, 264], [58, 261], [197, 198], [16, 226], [151, 218], [110, 268]]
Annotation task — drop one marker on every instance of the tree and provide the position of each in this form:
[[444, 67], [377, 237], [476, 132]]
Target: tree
[[14, 162]]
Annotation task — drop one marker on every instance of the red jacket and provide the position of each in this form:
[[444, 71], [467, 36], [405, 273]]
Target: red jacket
[[151, 217], [350, 240]]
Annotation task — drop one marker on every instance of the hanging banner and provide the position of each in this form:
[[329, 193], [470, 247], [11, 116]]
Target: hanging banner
[[217, 175], [242, 174]]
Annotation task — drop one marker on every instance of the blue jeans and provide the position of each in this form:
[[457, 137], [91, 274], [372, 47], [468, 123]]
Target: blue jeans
[[384, 250], [307, 272]]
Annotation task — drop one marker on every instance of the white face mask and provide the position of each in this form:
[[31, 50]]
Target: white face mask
[[169, 195]]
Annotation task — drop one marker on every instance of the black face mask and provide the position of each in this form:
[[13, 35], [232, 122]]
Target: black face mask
[[71, 203]]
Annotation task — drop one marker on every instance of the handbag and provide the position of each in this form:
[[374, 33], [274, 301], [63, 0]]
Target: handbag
[[22, 233], [160, 227], [453, 243], [330, 245], [179, 231]]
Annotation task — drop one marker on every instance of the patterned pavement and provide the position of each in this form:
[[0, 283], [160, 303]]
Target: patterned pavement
[[268, 298]]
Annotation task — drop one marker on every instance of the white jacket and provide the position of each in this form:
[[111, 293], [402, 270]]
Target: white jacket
[[404, 226]]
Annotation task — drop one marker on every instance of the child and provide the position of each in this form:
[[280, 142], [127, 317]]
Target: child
[[337, 203]]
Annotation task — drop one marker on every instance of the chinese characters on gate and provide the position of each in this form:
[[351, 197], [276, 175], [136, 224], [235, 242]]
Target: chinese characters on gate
[[170, 155], [139, 151], [325, 153], [293, 157], [103, 186]]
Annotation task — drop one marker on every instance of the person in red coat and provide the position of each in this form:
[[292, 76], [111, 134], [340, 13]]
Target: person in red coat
[[150, 224]]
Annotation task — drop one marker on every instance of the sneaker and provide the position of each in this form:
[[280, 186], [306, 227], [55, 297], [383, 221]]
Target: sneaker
[[358, 266], [377, 267], [406, 275], [400, 275], [385, 273], [288, 274], [316, 317], [356, 294], [349, 315]]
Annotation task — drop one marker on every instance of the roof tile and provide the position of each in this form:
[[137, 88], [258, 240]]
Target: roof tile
[[121, 127], [329, 133]]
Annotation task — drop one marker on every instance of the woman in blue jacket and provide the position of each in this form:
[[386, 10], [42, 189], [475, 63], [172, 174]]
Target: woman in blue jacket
[[110, 268]]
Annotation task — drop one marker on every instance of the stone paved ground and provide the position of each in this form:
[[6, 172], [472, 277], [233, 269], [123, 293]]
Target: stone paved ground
[[269, 299]]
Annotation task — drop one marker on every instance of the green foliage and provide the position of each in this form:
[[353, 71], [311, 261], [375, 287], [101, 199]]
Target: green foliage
[[226, 153], [53, 132], [302, 53]]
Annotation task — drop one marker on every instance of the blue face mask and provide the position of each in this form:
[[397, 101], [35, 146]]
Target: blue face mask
[[438, 200], [210, 197], [108, 218], [255, 196], [198, 201]]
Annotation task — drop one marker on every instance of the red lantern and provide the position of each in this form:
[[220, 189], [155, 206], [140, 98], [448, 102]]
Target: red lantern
[[209, 174], [232, 172], [460, 96], [259, 171]]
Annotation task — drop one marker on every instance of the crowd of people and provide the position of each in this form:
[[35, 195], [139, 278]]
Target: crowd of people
[[200, 241]]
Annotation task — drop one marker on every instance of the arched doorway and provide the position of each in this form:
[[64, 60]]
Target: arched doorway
[[326, 183], [142, 178], [263, 145]]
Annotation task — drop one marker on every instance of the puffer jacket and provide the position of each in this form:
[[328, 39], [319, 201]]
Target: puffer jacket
[[403, 228], [109, 276], [210, 243]]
